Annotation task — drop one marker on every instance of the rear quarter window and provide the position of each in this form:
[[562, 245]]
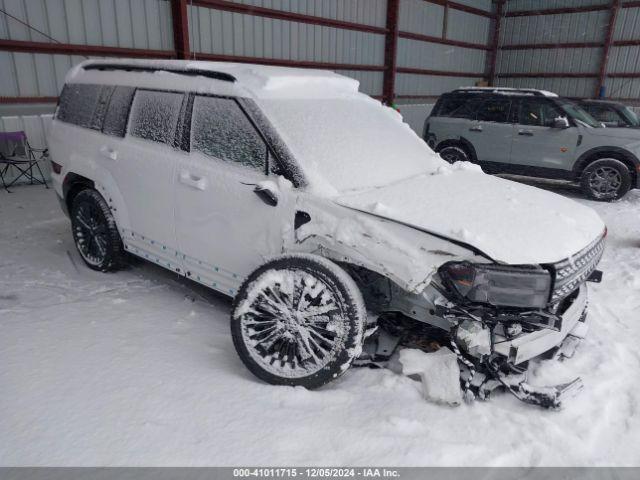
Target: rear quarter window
[[79, 104]]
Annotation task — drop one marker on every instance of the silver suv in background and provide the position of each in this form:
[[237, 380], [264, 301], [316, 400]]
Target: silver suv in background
[[534, 133], [612, 114]]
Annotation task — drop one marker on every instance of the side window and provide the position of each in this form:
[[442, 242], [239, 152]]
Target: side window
[[78, 103], [115, 120], [494, 110], [604, 114], [457, 107], [154, 115], [220, 129], [537, 112]]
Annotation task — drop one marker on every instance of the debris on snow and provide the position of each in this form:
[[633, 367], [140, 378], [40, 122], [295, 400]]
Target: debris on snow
[[438, 371]]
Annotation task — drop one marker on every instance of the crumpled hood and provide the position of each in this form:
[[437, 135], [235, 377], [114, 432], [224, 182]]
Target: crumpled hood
[[510, 222]]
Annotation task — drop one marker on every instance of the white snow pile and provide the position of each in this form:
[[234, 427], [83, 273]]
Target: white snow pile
[[438, 371]]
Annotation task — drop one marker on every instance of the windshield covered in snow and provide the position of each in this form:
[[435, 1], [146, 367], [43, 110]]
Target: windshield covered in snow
[[349, 144]]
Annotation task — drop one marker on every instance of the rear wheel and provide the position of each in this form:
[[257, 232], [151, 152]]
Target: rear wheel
[[453, 154], [298, 320], [95, 233], [606, 179]]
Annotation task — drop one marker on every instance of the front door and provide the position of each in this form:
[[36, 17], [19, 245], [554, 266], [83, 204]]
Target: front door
[[537, 143], [491, 133], [225, 229]]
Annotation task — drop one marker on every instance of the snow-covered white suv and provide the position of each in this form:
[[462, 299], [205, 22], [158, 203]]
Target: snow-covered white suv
[[323, 215]]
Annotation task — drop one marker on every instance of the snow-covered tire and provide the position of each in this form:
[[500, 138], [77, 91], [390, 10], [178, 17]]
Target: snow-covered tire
[[453, 154], [95, 233], [298, 320], [605, 180]]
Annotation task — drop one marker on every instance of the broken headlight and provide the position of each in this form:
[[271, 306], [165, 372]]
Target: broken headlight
[[526, 287]]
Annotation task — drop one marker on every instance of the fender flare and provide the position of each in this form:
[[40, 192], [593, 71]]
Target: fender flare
[[625, 156]]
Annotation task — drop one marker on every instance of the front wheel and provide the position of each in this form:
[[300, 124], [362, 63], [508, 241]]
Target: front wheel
[[606, 179], [298, 320]]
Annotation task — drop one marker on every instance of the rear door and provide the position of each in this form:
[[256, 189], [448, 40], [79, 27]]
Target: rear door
[[536, 143], [491, 132], [450, 118], [142, 164], [225, 228]]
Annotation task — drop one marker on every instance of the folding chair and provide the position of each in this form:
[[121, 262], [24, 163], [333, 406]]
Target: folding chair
[[15, 152]]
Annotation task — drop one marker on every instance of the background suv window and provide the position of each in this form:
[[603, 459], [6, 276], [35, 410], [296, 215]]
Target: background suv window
[[537, 112], [78, 104], [458, 107], [220, 129], [604, 114], [154, 115], [494, 110]]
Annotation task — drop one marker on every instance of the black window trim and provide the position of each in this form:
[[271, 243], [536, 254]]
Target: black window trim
[[126, 123]]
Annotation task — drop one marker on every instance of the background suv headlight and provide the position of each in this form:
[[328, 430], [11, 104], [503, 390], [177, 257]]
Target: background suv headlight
[[527, 287]]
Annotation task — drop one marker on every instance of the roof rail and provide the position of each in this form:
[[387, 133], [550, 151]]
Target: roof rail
[[531, 91], [128, 67]]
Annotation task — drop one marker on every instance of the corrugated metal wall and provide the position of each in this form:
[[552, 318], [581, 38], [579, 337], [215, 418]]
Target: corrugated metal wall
[[570, 27], [215, 31], [417, 16], [625, 58], [121, 23], [146, 24]]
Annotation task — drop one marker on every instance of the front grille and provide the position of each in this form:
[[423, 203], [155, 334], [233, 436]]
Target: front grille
[[572, 272]]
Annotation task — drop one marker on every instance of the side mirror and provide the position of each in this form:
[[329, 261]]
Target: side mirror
[[560, 122], [268, 193]]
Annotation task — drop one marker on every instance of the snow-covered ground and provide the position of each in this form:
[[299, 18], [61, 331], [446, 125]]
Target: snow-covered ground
[[138, 368]]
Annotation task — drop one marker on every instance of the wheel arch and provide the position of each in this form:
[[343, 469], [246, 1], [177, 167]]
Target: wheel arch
[[72, 185], [629, 159], [74, 182]]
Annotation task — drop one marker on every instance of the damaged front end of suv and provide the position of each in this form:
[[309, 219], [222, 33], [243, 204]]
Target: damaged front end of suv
[[498, 318]]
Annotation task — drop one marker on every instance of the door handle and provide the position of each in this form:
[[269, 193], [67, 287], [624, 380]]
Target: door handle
[[527, 133], [476, 128], [194, 181], [109, 153]]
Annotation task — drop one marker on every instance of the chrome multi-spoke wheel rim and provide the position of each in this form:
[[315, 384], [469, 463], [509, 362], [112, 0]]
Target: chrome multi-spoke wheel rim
[[90, 233], [605, 181], [292, 323]]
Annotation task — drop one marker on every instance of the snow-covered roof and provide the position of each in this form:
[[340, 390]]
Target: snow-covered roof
[[223, 78], [510, 91]]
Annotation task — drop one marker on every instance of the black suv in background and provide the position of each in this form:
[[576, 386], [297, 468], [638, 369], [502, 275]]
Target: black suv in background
[[612, 114]]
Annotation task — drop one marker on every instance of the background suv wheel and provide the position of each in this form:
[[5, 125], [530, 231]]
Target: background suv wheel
[[453, 154], [606, 179], [298, 320], [95, 233]]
